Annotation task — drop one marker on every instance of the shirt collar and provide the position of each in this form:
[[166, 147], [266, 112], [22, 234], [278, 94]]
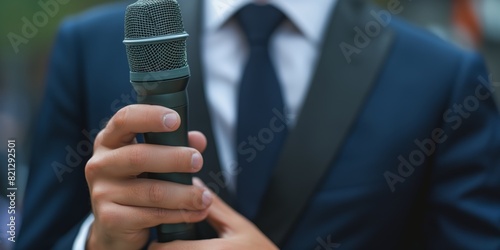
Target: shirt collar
[[310, 18]]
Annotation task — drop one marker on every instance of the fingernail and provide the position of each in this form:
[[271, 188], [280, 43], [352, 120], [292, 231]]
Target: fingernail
[[170, 120], [196, 161], [206, 197]]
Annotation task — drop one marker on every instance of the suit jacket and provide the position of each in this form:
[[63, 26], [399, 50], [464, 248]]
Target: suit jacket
[[397, 145]]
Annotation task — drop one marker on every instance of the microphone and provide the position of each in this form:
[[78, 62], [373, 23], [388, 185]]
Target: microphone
[[155, 43]]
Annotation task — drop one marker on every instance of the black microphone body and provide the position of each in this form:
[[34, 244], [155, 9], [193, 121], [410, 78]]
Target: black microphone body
[[175, 98], [156, 49]]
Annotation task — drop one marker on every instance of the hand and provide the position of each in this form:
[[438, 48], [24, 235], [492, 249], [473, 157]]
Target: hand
[[125, 206], [235, 231]]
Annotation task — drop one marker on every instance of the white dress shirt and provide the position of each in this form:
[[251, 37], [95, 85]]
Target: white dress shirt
[[294, 48]]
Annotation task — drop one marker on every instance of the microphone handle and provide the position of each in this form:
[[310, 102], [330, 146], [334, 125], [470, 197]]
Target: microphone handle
[[173, 95]]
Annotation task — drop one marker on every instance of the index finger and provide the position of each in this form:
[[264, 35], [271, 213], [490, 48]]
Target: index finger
[[134, 119]]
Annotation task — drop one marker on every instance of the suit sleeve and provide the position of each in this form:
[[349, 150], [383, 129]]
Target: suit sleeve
[[464, 205], [57, 197]]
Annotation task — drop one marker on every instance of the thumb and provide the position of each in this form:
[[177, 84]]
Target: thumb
[[224, 219]]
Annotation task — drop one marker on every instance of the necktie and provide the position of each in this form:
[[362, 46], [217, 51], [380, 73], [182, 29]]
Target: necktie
[[260, 134]]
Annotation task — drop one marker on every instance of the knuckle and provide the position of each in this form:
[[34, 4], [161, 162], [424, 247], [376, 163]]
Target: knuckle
[[136, 156], [156, 193], [119, 120], [177, 156], [98, 193], [92, 168], [149, 114], [107, 215], [196, 197], [182, 158], [99, 138]]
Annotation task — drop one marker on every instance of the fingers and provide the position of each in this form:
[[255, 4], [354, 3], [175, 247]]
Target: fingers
[[134, 119], [234, 230], [221, 216], [132, 160], [160, 194], [112, 216], [137, 204], [124, 204]]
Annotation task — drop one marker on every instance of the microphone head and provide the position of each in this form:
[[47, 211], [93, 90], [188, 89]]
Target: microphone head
[[155, 39]]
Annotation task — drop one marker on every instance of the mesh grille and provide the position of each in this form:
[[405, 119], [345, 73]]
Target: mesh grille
[[153, 18], [157, 57]]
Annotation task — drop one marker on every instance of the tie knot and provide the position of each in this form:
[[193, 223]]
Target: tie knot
[[258, 22]]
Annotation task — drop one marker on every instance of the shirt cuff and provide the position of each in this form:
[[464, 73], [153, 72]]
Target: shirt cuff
[[83, 233]]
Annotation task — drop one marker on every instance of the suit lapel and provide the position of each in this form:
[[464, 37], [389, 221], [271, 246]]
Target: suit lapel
[[199, 117], [332, 105]]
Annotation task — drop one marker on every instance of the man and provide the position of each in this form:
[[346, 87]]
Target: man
[[391, 137]]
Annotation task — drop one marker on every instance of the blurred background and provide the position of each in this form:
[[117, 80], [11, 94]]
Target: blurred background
[[471, 24], [23, 62]]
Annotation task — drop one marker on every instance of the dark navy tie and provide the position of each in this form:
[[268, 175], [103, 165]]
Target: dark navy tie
[[261, 128]]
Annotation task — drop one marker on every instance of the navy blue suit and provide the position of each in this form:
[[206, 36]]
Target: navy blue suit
[[418, 164]]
